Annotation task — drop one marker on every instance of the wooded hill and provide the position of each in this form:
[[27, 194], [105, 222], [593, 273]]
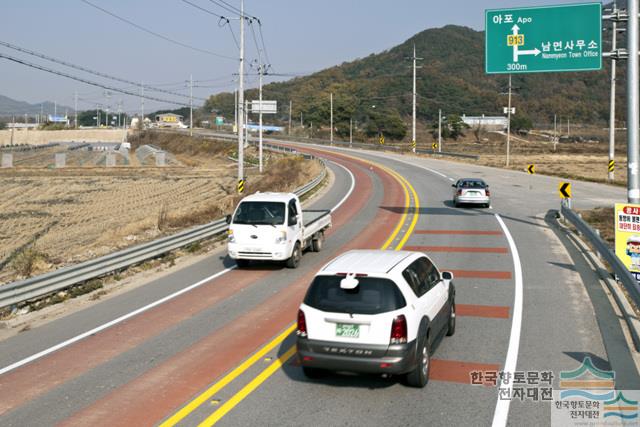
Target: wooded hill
[[452, 78]]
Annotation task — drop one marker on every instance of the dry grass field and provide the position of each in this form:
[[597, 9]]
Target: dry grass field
[[55, 217]]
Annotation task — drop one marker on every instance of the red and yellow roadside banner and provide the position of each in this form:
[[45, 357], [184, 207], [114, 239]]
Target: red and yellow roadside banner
[[628, 236]]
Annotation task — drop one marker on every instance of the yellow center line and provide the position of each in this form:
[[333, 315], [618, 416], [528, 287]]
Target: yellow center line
[[211, 391], [273, 367]]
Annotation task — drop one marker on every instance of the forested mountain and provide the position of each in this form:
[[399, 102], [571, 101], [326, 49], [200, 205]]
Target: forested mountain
[[376, 90]]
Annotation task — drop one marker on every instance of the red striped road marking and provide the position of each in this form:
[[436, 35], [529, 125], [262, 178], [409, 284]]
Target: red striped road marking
[[456, 371], [462, 232], [490, 311], [467, 249], [481, 274]]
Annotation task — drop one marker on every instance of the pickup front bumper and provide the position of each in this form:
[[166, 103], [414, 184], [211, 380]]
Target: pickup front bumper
[[237, 251]]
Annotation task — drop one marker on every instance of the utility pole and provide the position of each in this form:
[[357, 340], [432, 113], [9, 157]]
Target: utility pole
[[241, 105], [413, 126], [633, 180], [142, 105], [568, 127], [191, 105], [612, 109], [55, 108], [350, 132], [509, 122], [235, 108], [555, 131], [76, 109], [290, 106], [261, 71], [440, 131], [301, 125], [331, 97], [246, 122], [97, 115], [13, 128]]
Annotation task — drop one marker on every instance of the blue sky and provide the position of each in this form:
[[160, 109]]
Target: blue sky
[[301, 36]]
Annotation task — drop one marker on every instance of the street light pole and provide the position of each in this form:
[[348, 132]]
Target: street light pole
[[633, 119]]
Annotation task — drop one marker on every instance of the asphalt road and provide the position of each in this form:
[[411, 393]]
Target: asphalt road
[[222, 351]]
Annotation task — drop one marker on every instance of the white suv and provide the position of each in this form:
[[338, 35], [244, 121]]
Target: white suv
[[376, 311]]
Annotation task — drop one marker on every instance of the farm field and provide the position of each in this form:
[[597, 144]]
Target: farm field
[[64, 216]]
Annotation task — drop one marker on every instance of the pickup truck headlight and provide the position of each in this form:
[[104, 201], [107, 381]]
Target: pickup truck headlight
[[230, 236], [281, 237]]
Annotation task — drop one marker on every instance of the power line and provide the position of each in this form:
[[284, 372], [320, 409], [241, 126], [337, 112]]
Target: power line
[[89, 82], [88, 70], [222, 20], [153, 33], [226, 6], [264, 47]]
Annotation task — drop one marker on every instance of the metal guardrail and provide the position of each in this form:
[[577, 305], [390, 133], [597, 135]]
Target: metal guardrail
[[619, 269], [54, 281]]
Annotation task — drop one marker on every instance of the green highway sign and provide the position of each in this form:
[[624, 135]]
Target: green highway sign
[[543, 39]]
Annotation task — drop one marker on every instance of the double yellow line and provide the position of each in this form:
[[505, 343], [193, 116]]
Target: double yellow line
[[185, 411]]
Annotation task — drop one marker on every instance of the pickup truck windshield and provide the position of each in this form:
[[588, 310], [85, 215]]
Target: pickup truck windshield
[[257, 213], [372, 296]]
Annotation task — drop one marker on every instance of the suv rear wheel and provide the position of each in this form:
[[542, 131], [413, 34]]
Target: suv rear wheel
[[419, 377]]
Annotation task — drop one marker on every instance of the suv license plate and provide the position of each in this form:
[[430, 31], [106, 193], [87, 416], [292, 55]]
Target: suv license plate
[[347, 330]]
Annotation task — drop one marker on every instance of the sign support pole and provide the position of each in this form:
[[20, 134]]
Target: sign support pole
[[612, 109], [509, 122], [633, 120]]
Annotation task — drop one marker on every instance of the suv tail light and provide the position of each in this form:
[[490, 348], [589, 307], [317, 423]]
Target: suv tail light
[[487, 192], [398, 330], [459, 193], [302, 325]]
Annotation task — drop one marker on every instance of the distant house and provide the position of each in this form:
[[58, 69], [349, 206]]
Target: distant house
[[486, 122], [169, 120]]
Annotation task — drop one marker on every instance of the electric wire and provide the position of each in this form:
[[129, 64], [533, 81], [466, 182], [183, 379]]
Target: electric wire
[[153, 33], [88, 70], [89, 82]]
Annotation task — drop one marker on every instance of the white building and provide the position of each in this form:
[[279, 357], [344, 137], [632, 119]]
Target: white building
[[486, 122]]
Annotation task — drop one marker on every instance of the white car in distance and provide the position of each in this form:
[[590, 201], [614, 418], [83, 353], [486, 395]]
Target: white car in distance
[[378, 312]]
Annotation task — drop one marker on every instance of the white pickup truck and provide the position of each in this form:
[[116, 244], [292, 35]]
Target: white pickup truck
[[273, 227]]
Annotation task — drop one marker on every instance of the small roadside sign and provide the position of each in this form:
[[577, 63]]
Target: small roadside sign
[[381, 140], [612, 165], [434, 146], [505, 110], [627, 238], [240, 186], [531, 169], [564, 190]]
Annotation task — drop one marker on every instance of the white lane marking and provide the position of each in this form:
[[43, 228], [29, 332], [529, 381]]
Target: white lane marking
[[502, 407], [111, 323], [346, 196], [147, 307], [451, 179]]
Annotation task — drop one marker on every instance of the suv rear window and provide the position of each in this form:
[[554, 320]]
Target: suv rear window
[[372, 296]]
